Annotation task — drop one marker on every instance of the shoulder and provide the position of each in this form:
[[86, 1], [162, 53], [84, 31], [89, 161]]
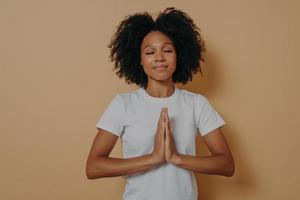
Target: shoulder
[[192, 96], [128, 97]]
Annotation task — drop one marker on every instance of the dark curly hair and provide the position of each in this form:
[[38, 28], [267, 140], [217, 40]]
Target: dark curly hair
[[126, 43]]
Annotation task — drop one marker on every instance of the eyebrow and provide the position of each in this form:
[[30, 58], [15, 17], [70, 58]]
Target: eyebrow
[[149, 45]]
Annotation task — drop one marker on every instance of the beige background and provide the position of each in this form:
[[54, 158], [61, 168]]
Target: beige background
[[56, 80]]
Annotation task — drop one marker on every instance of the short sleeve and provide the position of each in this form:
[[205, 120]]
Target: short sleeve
[[112, 117], [207, 118]]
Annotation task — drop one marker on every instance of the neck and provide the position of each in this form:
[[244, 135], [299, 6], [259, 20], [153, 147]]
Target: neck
[[160, 89]]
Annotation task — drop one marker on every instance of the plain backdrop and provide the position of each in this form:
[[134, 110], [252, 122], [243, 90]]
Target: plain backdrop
[[56, 80]]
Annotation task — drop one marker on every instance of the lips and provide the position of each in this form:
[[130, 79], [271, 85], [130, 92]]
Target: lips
[[160, 66]]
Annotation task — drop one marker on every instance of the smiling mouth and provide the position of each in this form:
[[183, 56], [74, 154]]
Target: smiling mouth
[[160, 67]]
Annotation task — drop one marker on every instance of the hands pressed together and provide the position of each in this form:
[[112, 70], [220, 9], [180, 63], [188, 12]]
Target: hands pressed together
[[164, 146]]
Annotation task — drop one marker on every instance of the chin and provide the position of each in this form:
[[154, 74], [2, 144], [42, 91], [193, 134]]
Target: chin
[[161, 78]]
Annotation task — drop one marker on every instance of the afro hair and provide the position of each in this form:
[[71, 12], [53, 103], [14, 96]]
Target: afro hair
[[125, 46]]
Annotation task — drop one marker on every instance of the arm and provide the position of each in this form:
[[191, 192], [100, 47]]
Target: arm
[[219, 163], [100, 165]]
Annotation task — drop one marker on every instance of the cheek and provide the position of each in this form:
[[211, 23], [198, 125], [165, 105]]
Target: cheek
[[146, 60], [172, 60], [146, 64]]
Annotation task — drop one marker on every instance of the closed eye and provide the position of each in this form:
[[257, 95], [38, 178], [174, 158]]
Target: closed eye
[[167, 51]]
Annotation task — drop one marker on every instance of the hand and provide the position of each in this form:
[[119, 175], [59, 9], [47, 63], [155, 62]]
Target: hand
[[158, 154], [170, 147]]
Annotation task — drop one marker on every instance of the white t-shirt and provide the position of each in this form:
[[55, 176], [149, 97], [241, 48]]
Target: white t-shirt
[[134, 116]]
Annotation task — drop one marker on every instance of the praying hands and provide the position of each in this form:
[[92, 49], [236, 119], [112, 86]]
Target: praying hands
[[164, 146]]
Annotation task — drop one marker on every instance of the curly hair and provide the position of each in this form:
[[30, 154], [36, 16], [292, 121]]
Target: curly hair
[[125, 46]]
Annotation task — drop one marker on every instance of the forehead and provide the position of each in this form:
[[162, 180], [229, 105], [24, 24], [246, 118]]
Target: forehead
[[156, 38]]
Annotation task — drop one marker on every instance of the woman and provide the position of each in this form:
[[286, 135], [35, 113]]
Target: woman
[[158, 122]]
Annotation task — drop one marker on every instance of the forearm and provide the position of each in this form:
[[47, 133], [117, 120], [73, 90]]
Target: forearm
[[111, 167], [215, 164]]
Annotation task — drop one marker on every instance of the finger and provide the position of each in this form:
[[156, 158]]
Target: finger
[[166, 132], [167, 128], [168, 119], [162, 125], [164, 115], [167, 115], [165, 119], [169, 137], [161, 116]]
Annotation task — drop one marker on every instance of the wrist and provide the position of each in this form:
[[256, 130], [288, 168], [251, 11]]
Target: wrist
[[154, 159], [176, 159]]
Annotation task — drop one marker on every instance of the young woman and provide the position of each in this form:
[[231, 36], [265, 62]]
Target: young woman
[[158, 122]]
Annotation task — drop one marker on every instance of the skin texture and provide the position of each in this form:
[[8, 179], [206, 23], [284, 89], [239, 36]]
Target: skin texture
[[157, 50]]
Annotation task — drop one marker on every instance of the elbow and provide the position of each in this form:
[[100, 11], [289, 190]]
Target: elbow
[[229, 169], [91, 173], [96, 169]]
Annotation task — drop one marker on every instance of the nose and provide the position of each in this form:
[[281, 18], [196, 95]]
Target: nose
[[159, 56]]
